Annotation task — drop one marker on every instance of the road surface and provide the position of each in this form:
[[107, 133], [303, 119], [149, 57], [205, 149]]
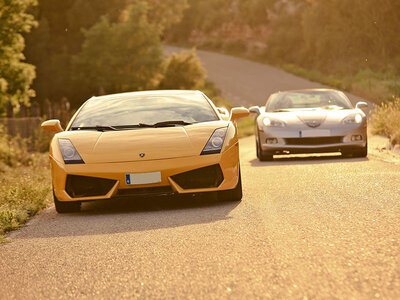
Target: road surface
[[307, 227]]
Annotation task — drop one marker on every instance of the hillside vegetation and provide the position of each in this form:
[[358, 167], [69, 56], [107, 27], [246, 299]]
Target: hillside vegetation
[[350, 44]]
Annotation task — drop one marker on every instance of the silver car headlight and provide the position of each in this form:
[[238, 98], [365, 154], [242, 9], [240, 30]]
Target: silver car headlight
[[269, 122], [69, 153], [353, 119], [216, 141]]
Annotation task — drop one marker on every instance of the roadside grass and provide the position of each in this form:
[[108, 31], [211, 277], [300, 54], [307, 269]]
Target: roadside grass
[[246, 127], [386, 120], [24, 183]]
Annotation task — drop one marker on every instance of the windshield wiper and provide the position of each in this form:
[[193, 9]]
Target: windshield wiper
[[140, 125], [165, 124], [97, 127]]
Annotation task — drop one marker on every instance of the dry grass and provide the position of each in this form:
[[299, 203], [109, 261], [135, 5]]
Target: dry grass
[[24, 183], [246, 127], [386, 120]]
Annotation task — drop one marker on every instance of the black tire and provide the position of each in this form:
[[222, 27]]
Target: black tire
[[363, 152], [234, 195], [66, 207], [257, 150], [263, 156]]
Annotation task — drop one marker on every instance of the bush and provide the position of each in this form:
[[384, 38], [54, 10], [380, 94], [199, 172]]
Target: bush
[[13, 150], [386, 120], [23, 192], [183, 71], [41, 140]]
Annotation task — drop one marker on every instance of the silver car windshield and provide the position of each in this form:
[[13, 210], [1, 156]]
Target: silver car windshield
[[128, 110], [307, 100]]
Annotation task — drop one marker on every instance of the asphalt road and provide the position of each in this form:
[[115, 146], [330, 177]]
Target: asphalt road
[[307, 227]]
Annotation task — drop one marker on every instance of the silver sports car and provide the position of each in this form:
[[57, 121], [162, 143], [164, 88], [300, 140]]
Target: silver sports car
[[310, 121]]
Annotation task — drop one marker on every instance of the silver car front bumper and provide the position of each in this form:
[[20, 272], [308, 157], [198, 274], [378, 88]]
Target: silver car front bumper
[[285, 140]]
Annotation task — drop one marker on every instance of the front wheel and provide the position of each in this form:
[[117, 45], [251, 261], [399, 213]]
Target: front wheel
[[232, 195], [66, 207], [262, 155], [363, 152]]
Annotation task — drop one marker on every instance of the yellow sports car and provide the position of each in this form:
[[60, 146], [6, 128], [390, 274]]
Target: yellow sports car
[[145, 143]]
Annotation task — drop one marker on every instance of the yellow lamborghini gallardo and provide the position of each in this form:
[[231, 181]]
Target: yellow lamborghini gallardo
[[145, 143]]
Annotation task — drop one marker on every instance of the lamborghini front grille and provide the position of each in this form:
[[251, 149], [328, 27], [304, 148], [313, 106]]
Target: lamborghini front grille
[[84, 186], [207, 177]]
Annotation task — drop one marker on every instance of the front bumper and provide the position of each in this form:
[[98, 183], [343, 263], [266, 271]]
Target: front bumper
[[228, 161], [291, 141]]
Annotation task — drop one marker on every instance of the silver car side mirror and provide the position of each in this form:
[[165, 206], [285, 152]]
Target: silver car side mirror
[[361, 105], [255, 110]]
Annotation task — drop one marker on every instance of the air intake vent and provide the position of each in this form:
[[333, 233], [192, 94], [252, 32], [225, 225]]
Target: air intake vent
[[84, 186], [207, 177], [312, 141]]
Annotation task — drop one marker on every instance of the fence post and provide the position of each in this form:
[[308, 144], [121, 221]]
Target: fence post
[[11, 130], [48, 112], [10, 110], [35, 109], [23, 113], [64, 111]]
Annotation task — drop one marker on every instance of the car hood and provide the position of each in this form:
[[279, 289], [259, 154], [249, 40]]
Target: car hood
[[142, 144], [312, 118]]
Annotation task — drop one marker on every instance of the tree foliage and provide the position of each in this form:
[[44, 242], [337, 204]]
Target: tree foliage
[[16, 76], [183, 71], [339, 36], [120, 56], [64, 26]]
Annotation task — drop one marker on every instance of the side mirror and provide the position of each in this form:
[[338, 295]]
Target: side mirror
[[238, 113], [224, 113], [52, 125], [255, 110], [361, 105]]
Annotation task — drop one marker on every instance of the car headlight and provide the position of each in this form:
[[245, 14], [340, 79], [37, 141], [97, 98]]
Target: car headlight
[[353, 119], [216, 141], [273, 122], [69, 153]]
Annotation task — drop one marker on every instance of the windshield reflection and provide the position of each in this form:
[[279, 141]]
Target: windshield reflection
[[307, 100], [144, 109]]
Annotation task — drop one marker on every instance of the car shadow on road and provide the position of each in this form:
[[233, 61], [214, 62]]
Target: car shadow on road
[[130, 215], [306, 160]]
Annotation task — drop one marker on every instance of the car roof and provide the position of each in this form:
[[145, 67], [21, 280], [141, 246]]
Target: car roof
[[147, 93]]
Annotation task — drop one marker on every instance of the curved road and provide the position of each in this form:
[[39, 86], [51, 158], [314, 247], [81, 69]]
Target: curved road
[[308, 227]]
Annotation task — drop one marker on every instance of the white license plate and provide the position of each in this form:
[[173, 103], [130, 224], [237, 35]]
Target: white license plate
[[143, 178], [314, 133]]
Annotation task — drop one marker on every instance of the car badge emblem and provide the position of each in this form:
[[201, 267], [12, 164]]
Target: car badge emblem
[[313, 123], [142, 155]]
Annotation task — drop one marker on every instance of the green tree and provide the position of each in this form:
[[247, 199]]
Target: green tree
[[120, 56], [183, 71], [16, 76]]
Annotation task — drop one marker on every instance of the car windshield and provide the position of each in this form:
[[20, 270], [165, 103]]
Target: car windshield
[[307, 100], [144, 110]]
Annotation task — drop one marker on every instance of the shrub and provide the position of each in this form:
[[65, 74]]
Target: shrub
[[183, 71], [23, 192], [386, 120], [13, 150], [41, 140]]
